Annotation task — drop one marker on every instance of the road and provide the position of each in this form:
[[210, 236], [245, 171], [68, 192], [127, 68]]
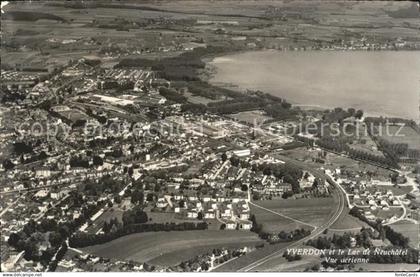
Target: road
[[11, 205], [316, 232], [337, 193]]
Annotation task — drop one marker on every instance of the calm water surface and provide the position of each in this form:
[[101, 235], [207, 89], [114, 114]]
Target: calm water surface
[[380, 83]]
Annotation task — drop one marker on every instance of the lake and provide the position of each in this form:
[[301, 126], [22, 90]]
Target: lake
[[380, 83]]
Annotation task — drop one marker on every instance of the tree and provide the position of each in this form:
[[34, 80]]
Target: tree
[[256, 196], [46, 256], [287, 194], [55, 239], [135, 216], [224, 157], [29, 227], [267, 171], [234, 161], [359, 114], [315, 184], [8, 164], [48, 225], [157, 188], [394, 177], [137, 196], [78, 161], [97, 161], [13, 240], [107, 227], [295, 184], [130, 171], [30, 250], [283, 235], [117, 199], [149, 197]]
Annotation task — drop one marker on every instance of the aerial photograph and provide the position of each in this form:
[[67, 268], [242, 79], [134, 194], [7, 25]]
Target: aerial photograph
[[209, 136]]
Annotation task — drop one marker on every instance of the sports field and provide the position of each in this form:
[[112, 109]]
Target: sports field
[[171, 248]]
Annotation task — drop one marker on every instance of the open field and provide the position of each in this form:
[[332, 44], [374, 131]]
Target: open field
[[243, 261], [171, 248], [175, 257], [364, 142], [338, 161], [334, 161], [301, 154], [197, 99], [312, 211], [397, 212], [251, 117], [109, 214], [409, 230], [396, 190], [280, 264], [273, 223], [406, 135], [164, 217], [324, 21], [348, 222]]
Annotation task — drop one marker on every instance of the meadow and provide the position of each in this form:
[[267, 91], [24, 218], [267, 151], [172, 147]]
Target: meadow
[[171, 248], [406, 135], [251, 117], [409, 230], [313, 211], [346, 222]]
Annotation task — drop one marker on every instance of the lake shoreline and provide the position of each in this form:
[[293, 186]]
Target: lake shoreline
[[213, 68]]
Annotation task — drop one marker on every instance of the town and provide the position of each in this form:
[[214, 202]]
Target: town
[[118, 154]]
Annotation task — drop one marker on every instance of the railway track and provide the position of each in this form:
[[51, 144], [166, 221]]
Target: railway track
[[316, 232]]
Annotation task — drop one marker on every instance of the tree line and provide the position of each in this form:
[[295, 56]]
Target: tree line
[[282, 236], [397, 239], [339, 146], [84, 239]]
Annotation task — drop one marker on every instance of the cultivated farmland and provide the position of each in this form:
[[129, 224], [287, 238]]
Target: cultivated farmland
[[311, 211], [409, 230], [346, 222], [171, 248], [406, 135]]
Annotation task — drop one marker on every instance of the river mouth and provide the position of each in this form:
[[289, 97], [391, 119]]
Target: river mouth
[[382, 83]]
